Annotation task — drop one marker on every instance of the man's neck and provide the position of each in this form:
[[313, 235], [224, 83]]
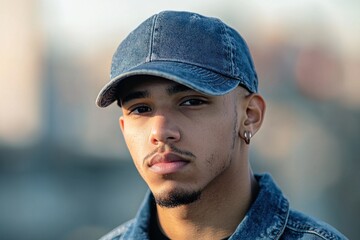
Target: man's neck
[[216, 214]]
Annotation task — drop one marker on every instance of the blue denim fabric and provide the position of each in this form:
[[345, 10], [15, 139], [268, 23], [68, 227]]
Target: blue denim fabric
[[268, 218]]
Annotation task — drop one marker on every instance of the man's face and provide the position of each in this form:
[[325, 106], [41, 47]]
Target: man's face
[[181, 141]]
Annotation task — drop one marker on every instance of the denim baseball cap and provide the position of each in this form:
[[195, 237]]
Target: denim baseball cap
[[200, 52]]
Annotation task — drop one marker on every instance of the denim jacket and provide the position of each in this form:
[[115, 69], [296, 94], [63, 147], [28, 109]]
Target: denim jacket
[[269, 217]]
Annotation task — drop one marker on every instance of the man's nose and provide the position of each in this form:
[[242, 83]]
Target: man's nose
[[164, 130]]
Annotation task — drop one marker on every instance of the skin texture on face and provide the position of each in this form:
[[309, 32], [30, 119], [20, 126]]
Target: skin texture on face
[[190, 150], [162, 119]]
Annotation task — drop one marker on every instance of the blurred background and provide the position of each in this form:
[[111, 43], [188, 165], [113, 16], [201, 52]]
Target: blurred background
[[65, 173]]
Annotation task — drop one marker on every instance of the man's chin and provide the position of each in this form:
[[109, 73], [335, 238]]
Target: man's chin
[[176, 198]]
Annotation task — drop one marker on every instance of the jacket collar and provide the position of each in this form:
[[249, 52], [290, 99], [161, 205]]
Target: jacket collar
[[267, 216]]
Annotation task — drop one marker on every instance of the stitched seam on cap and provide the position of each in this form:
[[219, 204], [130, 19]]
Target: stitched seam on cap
[[152, 37], [198, 66], [228, 48]]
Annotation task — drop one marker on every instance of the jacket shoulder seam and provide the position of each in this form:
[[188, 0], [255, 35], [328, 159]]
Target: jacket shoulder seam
[[310, 231], [320, 232]]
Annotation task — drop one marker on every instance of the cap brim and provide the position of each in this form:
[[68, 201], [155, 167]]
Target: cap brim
[[196, 78]]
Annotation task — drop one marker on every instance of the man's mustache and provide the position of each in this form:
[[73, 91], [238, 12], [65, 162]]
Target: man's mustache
[[173, 149]]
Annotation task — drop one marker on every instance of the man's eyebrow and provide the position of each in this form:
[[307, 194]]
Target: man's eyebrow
[[134, 95], [177, 88]]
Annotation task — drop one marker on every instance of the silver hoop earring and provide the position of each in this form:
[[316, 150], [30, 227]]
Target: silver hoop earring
[[247, 137]]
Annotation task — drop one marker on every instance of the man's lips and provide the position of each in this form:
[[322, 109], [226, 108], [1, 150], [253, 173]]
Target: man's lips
[[166, 163]]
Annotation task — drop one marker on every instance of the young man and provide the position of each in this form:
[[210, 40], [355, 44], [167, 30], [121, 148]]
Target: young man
[[187, 88]]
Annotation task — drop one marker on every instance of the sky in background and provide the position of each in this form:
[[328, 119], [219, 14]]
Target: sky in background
[[89, 22]]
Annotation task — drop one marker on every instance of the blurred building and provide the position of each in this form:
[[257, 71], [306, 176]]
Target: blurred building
[[63, 162]]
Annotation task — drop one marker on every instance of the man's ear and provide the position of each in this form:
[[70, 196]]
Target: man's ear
[[254, 113], [121, 123]]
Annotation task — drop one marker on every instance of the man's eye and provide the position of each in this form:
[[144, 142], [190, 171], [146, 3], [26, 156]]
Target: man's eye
[[192, 102], [140, 110]]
